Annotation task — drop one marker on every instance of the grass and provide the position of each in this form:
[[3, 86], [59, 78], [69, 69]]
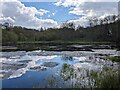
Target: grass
[[108, 78], [65, 66], [51, 82], [110, 81], [67, 72], [115, 58]]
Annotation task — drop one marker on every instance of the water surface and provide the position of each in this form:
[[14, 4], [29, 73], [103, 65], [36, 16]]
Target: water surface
[[39, 69]]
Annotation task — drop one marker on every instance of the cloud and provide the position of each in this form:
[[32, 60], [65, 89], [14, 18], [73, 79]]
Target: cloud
[[83, 21], [43, 11], [95, 9], [53, 14], [18, 14], [85, 9], [7, 19], [67, 3]]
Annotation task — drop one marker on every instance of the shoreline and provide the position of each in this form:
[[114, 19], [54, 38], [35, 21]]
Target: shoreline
[[59, 46]]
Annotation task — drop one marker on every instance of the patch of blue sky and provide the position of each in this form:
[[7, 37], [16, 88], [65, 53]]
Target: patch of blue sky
[[59, 14]]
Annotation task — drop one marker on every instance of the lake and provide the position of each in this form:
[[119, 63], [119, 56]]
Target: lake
[[56, 69]]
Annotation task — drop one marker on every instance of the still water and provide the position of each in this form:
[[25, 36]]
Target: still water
[[40, 69]]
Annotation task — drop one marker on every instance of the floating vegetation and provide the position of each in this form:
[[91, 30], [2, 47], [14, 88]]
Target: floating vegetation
[[38, 68], [67, 57], [50, 64], [14, 66], [25, 61]]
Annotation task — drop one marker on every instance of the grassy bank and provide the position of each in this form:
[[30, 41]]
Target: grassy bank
[[115, 58]]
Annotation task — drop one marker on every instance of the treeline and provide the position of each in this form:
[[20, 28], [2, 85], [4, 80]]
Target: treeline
[[105, 32]]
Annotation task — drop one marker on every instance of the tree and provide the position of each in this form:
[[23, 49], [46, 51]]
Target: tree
[[79, 27], [68, 25]]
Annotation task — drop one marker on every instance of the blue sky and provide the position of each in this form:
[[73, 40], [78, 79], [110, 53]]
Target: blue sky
[[61, 13], [53, 14]]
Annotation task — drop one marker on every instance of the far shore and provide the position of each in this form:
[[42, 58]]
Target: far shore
[[58, 46]]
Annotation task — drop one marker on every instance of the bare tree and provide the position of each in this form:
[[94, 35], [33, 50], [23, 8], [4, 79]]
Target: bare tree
[[68, 25]]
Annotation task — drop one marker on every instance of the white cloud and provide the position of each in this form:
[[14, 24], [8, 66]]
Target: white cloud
[[53, 14], [95, 8], [49, 15], [18, 14], [43, 11], [67, 3], [81, 21], [31, 0], [7, 19], [85, 9]]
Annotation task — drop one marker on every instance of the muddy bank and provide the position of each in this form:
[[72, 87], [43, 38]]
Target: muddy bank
[[75, 47]]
